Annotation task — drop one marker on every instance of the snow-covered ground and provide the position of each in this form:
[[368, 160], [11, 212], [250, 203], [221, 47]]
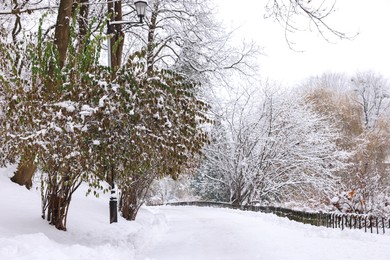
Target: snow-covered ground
[[168, 233]]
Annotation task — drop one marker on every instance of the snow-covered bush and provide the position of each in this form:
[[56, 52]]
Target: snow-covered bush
[[48, 115], [155, 128], [81, 123]]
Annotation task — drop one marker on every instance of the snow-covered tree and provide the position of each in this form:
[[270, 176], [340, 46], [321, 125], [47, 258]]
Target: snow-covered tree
[[46, 117], [83, 124], [373, 95], [298, 15], [208, 182], [154, 130], [359, 111], [185, 36], [17, 18], [278, 149]]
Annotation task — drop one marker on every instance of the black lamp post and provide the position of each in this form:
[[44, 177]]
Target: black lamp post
[[140, 7]]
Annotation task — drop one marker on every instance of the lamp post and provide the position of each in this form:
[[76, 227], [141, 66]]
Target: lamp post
[[140, 7]]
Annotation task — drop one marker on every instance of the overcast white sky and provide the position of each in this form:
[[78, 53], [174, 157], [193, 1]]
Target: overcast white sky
[[370, 50]]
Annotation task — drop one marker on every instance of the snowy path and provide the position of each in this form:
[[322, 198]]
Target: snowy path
[[174, 233], [202, 233], [206, 233]]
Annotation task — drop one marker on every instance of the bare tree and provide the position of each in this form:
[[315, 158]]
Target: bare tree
[[184, 36], [276, 149], [373, 95], [298, 15]]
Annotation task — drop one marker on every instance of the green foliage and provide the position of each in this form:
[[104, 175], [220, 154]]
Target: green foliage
[[147, 125], [47, 115]]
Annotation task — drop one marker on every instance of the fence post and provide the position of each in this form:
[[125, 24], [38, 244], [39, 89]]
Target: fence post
[[333, 222], [327, 220], [383, 224], [377, 225], [371, 223], [350, 222], [365, 224]]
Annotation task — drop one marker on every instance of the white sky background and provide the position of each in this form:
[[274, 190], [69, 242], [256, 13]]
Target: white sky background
[[370, 50]]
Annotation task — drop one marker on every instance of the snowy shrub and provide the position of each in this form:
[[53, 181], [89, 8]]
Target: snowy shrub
[[48, 117], [78, 121], [154, 128]]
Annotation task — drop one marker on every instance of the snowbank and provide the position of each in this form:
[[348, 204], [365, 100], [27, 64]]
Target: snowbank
[[168, 233], [25, 235]]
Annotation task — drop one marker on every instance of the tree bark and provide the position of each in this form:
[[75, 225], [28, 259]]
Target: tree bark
[[83, 18], [62, 31], [57, 199], [25, 172], [117, 40], [26, 168], [132, 197], [129, 204], [236, 199], [151, 37]]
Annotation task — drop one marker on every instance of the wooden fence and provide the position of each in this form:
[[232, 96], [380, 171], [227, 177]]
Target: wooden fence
[[368, 223]]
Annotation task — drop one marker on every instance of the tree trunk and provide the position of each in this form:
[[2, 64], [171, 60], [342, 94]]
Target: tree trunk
[[57, 201], [62, 31], [25, 172], [56, 213], [132, 196], [117, 40], [83, 19], [129, 204], [235, 200], [151, 38]]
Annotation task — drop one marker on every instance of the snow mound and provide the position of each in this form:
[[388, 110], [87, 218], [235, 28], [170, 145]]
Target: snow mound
[[25, 235], [168, 233]]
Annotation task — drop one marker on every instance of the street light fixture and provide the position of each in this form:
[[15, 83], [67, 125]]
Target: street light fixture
[[140, 7]]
